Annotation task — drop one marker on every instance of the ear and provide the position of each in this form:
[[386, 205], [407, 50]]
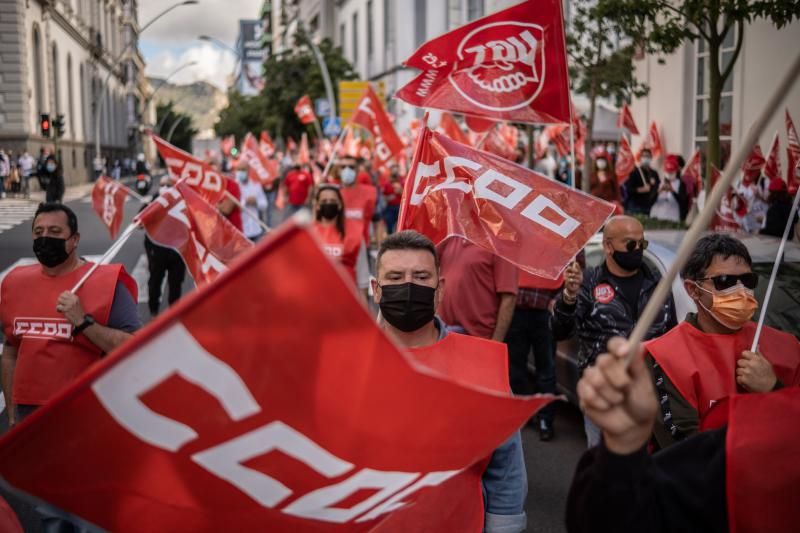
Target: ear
[[691, 289], [376, 297], [439, 294]]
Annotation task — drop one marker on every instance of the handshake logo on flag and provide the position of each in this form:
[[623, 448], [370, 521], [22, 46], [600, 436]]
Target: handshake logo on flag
[[505, 65]]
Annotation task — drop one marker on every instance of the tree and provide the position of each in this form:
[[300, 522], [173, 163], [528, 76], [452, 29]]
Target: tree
[[176, 123], [661, 26], [599, 67], [288, 76]]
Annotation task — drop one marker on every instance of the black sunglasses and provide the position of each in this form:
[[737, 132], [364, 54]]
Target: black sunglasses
[[631, 244], [726, 281]]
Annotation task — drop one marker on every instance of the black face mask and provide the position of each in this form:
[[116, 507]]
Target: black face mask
[[328, 211], [407, 306], [50, 251], [630, 261]]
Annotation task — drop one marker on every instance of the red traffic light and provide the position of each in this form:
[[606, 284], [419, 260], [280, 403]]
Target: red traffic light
[[45, 125]]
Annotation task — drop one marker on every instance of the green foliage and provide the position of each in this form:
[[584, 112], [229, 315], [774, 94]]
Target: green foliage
[[183, 131], [288, 76]]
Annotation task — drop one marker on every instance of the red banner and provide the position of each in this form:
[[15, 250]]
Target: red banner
[[531, 221], [303, 153], [451, 128], [625, 161], [371, 116], [180, 219], [694, 170], [202, 423], [261, 169], [200, 176], [772, 167], [792, 154], [754, 163], [305, 110], [108, 201], [497, 142], [227, 144], [510, 65], [625, 120], [652, 142], [265, 144]]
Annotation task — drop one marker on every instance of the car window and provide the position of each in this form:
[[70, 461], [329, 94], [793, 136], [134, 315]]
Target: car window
[[783, 312]]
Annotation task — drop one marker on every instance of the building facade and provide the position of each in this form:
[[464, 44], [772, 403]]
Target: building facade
[[54, 59], [678, 97]]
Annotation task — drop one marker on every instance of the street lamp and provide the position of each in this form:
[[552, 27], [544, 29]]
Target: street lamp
[[99, 100], [219, 43]]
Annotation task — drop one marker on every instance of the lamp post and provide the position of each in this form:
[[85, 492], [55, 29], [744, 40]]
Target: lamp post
[[99, 100]]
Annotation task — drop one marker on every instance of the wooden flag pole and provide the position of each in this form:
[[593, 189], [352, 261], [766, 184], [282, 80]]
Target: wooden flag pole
[[246, 212], [108, 255], [335, 150], [704, 217]]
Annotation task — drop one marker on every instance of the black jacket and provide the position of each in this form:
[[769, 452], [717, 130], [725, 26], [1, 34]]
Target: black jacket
[[596, 322], [641, 202]]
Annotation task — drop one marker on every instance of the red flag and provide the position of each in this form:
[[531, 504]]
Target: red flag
[[200, 176], [625, 161], [527, 219], [261, 169], [553, 133], [724, 218], [227, 144], [510, 65], [694, 170], [625, 120], [303, 154], [498, 144], [371, 116], [265, 144], [763, 431], [477, 124], [451, 128], [291, 145], [792, 154], [180, 219], [652, 142], [305, 110], [350, 145], [754, 163], [108, 201], [772, 168], [202, 423]]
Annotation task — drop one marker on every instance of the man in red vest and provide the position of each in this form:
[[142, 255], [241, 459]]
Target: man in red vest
[[707, 357], [408, 290], [359, 199], [52, 335]]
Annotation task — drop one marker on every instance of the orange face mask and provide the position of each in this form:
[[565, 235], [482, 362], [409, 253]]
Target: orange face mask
[[732, 307]]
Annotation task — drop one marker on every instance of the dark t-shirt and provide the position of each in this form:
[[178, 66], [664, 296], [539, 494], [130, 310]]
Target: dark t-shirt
[[124, 314], [630, 288]]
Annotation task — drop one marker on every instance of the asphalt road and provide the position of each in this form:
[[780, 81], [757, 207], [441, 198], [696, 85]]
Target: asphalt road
[[550, 465]]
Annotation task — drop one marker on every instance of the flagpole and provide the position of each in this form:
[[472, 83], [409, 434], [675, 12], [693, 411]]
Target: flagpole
[[132, 193], [247, 212], [704, 217], [485, 136], [334, 152], [318, 128], [108, 255], [786, 232], [572, 151]]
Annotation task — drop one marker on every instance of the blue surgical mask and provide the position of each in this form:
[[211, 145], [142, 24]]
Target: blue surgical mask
[[241, 176], [348, 176]]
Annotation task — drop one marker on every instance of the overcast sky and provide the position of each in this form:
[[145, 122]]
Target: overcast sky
[[172, 40]]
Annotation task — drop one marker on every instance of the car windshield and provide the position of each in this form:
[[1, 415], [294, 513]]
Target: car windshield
[[783, 312]]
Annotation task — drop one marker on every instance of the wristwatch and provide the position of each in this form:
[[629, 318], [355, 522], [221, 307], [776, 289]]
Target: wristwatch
[[88, 320]]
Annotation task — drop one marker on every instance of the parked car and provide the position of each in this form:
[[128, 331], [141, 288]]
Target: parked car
[[784, 308]]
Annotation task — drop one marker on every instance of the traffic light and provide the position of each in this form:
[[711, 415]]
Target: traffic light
[[59, 124], [45, 123], [234, 152]]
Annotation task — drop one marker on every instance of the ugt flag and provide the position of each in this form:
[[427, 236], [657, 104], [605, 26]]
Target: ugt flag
[[511, 65], [179, 218], [305, 110], [371, 116], [200, 176], [108, 201], [531, 221], [222, 416]]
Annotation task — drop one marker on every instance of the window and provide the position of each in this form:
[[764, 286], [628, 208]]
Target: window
[[70, 100], [342, 36], [702, 89], [419, 22], [355, 37], [56, 81], [454, 14], [388, 24], [37, 72], [474, 9], [370, 22]]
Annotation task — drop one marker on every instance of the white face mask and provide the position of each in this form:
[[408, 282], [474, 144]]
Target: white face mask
[[241, 176], [645, 162], [348, 176], [601, 164]]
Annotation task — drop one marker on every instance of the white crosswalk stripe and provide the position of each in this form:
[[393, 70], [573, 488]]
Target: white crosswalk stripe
[[15, 211]]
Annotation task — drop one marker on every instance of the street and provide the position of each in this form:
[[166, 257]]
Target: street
[[550, 465]]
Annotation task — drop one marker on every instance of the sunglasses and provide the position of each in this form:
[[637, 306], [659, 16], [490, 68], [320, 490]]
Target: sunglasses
[[631, 244], [726, 281]]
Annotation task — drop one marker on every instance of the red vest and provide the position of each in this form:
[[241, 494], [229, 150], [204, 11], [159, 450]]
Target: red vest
[[359, 204], [479, 363], [48, 358], [346, 250], [702, 366]]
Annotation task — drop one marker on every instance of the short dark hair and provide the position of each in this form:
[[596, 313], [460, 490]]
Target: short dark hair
[[51, 207], [709, 247], [407, 240]]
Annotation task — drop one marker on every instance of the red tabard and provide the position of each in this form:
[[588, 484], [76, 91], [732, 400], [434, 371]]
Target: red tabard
[[702, 366], [49, 358], [345, 251], [359, 204], [478, 363]]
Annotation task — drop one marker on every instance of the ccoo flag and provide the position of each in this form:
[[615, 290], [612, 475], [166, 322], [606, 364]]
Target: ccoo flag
[[108, 201], [510, 65], [529, 220]]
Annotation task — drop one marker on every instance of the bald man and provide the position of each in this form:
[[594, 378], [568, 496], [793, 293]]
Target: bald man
[[606, 301]]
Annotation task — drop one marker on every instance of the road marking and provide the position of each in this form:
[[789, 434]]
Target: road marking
[[141, 273]]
